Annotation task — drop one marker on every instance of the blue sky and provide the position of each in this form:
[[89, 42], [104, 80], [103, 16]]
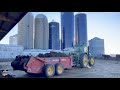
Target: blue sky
[[105, 25]]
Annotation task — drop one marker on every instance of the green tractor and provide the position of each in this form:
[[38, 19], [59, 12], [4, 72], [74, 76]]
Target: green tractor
[[82, 57]]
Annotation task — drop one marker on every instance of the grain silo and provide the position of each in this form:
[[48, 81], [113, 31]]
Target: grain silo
[[25, 31], [54, 39], [81, 29], [96, 47], [41, 32], [67, 29]]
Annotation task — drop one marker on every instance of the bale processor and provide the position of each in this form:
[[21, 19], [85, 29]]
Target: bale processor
[[48, 64], [53, 63]]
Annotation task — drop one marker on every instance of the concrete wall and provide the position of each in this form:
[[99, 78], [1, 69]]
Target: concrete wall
[[10, 51]]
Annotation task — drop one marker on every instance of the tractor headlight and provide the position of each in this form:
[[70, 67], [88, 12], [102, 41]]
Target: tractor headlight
[[85, 49]]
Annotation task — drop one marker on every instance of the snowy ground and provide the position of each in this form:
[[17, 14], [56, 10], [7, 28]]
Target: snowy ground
[[101, 69]]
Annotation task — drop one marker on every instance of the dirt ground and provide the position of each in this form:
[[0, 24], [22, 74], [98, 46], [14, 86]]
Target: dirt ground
[[101, 69]]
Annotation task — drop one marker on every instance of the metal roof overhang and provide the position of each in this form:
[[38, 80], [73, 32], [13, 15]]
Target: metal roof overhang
[[8, 20]]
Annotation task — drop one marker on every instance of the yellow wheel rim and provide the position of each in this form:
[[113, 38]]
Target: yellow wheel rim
[[85, 60], [60, 69], [92, 61], [50, 70]]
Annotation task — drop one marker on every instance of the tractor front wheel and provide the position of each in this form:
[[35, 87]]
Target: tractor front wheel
[[91, 61]]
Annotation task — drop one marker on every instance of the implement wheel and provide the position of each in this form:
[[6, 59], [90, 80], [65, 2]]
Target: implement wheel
[[59, 69], [49, 70], [91, 61], [83, 60]]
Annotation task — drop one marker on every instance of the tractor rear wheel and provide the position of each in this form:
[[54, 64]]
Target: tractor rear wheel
[[83, 60], [59, 69]]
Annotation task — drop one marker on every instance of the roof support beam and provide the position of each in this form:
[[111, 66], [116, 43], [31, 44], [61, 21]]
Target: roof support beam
[[3, 31], [9, 19], [1, 37]]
